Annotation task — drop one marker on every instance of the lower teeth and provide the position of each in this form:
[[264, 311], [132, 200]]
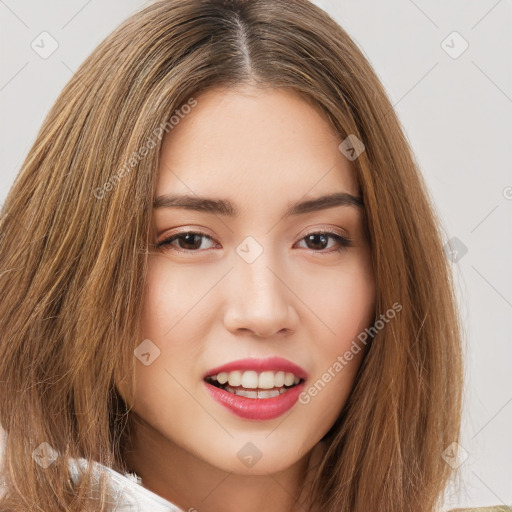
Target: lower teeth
[[260, 393]]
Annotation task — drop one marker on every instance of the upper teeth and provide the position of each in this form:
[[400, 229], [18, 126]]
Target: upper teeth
[[254, 380]]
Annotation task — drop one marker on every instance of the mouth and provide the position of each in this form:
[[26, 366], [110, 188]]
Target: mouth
[[255, 385], [256, 389]]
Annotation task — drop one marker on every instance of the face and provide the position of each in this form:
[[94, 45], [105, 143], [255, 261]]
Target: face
[[259, 285]]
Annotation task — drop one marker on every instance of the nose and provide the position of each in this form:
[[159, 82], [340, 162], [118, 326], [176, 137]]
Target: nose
[[260, 300]]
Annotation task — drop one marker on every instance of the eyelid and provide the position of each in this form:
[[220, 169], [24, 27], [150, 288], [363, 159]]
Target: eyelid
[[183, 230], [345, 241], [203, 231], [326, 229]]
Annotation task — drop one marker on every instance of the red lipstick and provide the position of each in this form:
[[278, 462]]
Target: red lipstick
[[257, 408]]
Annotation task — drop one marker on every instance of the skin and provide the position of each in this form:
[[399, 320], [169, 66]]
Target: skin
[[305, 302]]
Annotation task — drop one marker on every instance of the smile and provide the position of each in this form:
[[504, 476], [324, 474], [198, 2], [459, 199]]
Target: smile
[[256, 389], [251, 384]]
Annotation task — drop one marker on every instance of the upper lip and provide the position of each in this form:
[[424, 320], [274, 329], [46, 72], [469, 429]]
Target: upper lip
[[259, 365]]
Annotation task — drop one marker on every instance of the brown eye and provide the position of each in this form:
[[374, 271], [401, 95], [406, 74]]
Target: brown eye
[[319, 241], [192, 241], [187, 241]]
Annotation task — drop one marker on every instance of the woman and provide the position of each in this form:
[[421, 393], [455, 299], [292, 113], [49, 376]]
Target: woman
[[226, 284]]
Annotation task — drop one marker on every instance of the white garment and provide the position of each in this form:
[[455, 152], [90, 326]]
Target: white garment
[[130, 495]]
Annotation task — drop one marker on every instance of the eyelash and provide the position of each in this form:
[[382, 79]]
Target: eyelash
[[343, 242]]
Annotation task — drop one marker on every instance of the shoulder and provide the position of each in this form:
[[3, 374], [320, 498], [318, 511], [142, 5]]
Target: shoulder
[[126, 489]]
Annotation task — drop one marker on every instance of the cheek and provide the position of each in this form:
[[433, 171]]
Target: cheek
[[344, 303], [161, 297], [171, 292], [342, 298], [345, 306], [165, 304], [337, 302]]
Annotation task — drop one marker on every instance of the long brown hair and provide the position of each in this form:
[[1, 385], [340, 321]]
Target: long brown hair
[[74, 241]]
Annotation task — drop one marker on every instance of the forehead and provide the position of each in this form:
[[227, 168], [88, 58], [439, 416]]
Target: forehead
[[258, 143]]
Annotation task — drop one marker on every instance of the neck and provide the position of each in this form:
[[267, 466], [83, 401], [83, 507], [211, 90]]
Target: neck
[[193, 484]]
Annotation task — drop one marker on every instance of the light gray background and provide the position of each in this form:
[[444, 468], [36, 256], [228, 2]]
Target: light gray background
[[457, 116]]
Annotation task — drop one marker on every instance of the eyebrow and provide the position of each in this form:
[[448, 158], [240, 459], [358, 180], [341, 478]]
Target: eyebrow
[[227, 208]]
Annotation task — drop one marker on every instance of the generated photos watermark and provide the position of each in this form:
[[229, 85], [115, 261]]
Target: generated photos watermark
[[348, 355]]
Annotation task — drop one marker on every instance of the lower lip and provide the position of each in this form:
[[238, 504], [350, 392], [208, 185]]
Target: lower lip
[[256, 408]]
